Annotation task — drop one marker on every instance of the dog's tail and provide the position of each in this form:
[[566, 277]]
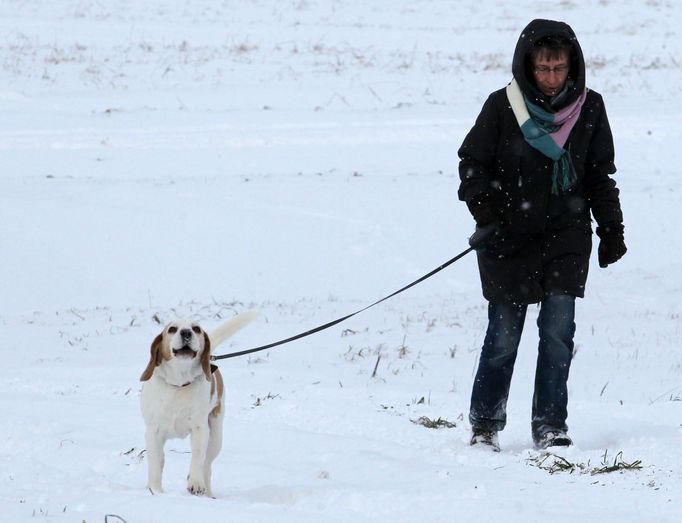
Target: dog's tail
[[231, 326]]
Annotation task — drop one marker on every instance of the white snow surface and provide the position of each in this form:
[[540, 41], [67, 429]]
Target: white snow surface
[[201, 158]]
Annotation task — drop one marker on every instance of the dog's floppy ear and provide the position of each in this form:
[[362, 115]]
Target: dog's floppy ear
[[206, 357], [155, 358]]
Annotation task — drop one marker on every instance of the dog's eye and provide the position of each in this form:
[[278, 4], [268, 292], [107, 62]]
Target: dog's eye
[[196, 329], [172, 330]]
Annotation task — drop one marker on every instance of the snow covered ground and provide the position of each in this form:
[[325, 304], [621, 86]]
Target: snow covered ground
[[198, 158]]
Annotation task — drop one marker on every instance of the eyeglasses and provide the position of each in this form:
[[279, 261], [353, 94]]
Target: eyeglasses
[[543, 70]]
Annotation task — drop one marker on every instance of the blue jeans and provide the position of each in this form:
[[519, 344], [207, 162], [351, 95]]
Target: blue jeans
[[491, 387]]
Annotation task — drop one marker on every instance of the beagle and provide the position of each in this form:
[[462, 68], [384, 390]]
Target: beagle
[[183, 394]]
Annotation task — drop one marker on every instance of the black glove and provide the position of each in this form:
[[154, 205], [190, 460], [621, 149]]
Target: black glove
[[491, 236], [488, 227], [611, 243], [485, 237], [481, 208]]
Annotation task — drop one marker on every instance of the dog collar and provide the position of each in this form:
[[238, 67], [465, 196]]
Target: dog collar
[[182, 385]]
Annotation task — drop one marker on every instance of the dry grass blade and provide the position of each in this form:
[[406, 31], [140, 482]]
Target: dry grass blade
[[554, 463], [439, 423], [618, 464]]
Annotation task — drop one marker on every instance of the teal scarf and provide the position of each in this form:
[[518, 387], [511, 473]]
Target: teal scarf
[[548, 132]]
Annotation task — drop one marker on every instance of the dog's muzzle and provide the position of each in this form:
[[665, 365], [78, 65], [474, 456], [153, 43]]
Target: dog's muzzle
[[185, 352]]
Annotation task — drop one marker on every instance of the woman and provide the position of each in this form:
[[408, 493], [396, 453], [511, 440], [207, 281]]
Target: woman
[[536, 162]]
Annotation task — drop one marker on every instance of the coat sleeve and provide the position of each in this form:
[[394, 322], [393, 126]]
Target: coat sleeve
[[602, 193], [477, 154]]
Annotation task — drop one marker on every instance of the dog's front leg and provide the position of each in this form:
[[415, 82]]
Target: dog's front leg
[[155, 459], [215, 442], [196, 482]]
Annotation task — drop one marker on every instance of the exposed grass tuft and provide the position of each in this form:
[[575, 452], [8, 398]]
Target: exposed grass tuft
[[554, 463], [439, 423]]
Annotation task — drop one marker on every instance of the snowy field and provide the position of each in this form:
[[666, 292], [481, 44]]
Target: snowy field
[[200, 158]]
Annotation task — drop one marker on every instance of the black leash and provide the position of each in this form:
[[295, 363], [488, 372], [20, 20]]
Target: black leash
[[339, 320]]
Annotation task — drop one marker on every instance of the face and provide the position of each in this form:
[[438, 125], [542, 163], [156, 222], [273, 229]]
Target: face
[[185, 339], [551, 73], [179, 344]]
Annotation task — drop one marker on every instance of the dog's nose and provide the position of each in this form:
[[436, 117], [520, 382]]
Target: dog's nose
[[186, 334]]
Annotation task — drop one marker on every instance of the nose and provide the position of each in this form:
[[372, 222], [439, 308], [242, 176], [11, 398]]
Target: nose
[[186, 334]]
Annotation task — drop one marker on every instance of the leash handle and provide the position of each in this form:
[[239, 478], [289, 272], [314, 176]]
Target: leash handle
[[344, 318], [482, 235]]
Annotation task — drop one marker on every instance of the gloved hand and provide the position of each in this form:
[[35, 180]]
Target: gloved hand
[[611, 243], [488, 228], [485, 237], [491, 236], [481, 208]]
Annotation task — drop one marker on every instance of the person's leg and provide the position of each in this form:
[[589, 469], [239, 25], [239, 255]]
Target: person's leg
[[555, 350], [488, 411]]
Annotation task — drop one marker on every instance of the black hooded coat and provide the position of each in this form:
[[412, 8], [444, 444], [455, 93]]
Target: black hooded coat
[[550, 235]]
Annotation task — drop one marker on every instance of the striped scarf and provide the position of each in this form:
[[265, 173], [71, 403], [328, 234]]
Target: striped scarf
[[548, 132]]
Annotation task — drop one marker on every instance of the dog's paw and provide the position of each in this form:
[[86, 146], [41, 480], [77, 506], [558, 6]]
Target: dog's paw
[[196, 487]]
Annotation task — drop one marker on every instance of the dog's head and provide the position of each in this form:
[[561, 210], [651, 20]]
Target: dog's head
[[181, 342]]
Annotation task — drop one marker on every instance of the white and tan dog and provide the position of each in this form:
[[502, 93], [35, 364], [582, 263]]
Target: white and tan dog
[[183, 394]]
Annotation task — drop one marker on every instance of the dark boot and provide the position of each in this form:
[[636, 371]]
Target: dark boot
[[485, 438], [552, 438]]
